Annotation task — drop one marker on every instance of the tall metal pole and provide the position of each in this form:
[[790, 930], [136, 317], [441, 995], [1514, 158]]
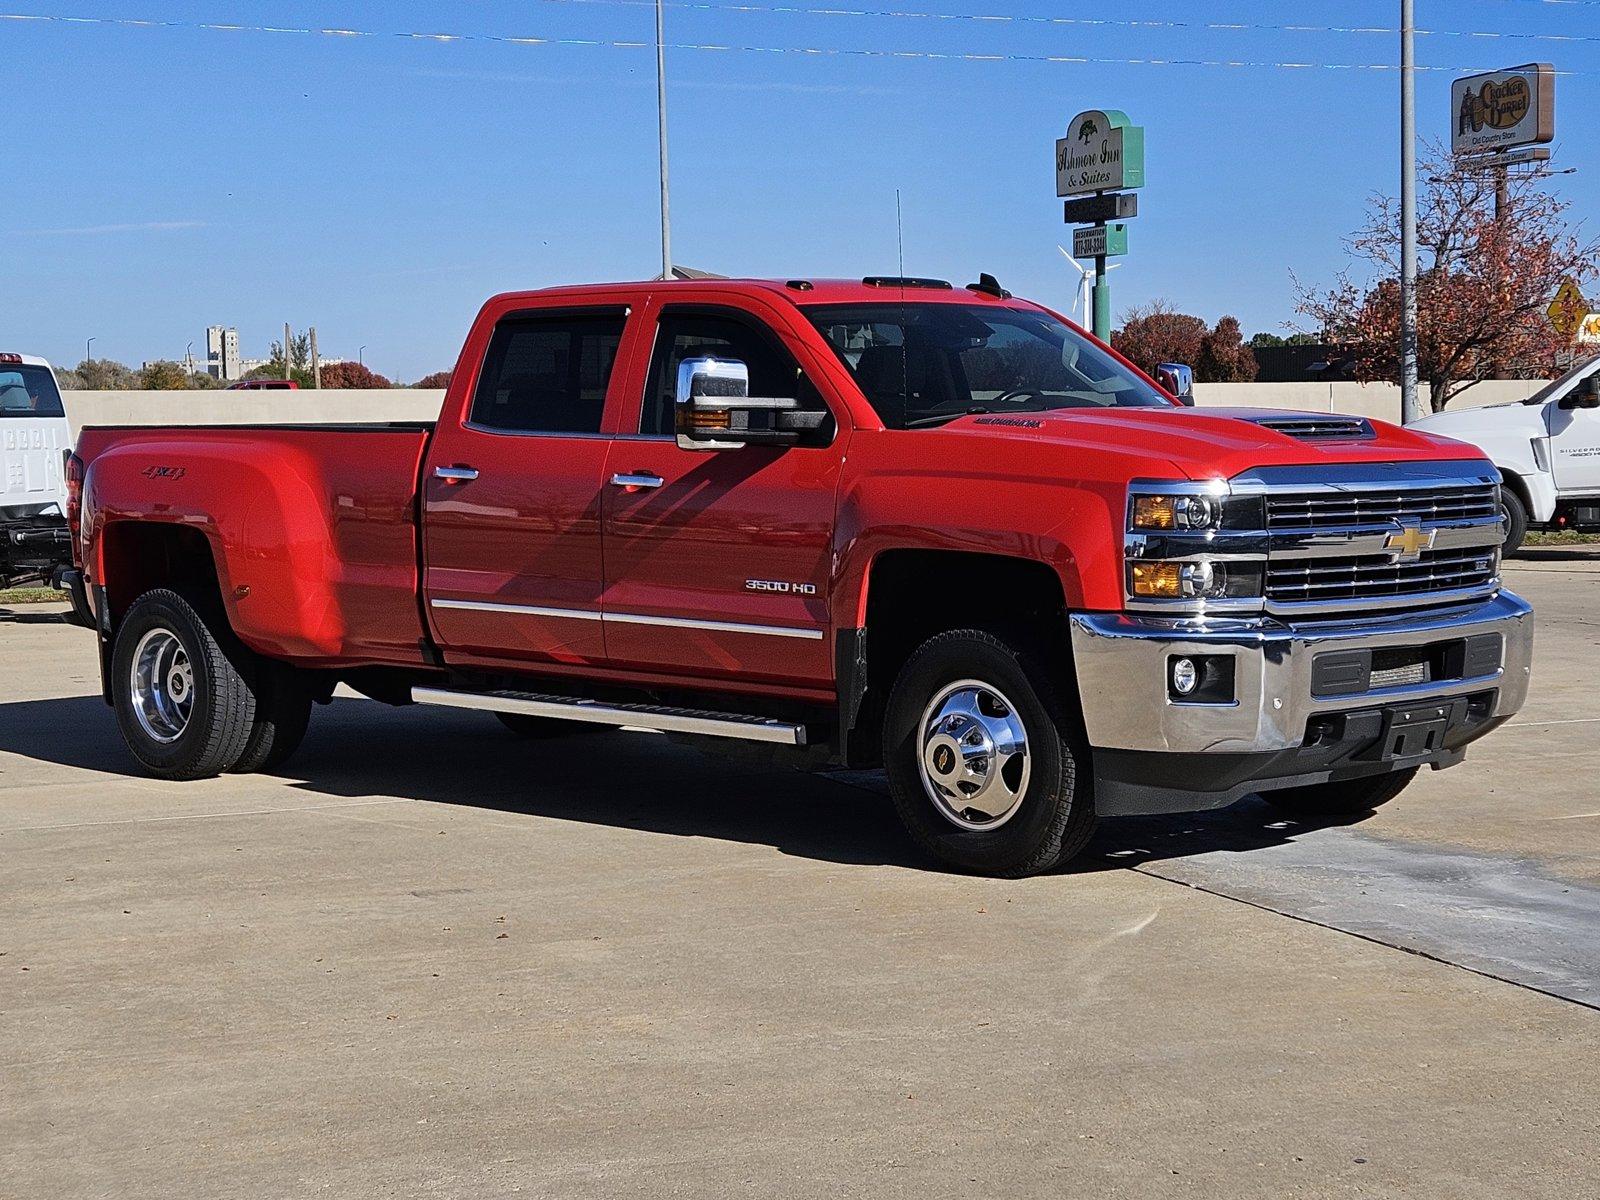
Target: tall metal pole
[[661, 129], [1410, 405], [287, 356]]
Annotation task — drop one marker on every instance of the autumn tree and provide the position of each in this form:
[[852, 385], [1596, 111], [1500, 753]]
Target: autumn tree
[[106, 375], [163, 376], [439, 379], [351, 375], [1483, 283], [1156, 334], [1224, 357]]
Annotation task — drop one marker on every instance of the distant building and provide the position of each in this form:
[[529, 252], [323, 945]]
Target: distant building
[[222, 353]]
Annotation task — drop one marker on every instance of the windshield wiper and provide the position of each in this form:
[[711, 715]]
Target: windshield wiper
[[943, 418]]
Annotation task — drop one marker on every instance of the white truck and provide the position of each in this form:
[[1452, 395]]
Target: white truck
[[1546, 447], [34, 440]]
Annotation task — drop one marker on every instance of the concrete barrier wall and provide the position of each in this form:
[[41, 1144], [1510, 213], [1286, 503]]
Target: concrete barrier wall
[[1380, 400], [302, 407]]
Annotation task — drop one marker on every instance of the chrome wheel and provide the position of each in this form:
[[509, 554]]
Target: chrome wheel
[[973, 755], [161, 685]]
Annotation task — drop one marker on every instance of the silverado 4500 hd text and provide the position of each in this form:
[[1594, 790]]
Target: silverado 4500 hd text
[[887, 521]]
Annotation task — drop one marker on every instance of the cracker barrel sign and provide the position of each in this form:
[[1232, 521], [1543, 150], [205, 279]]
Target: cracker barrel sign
[[1102, 152], [1504, 110]]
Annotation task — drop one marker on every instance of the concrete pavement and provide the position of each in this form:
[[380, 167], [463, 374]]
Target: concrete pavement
[[428, 959]]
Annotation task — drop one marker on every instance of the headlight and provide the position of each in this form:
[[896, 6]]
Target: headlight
[[1156, 513], [1194, 580]]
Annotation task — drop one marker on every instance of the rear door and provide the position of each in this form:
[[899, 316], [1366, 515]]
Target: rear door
[[512, 494], [33, 437], [718, 563]]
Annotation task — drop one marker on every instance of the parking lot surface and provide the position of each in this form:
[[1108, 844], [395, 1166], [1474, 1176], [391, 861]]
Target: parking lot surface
[[428, 959]]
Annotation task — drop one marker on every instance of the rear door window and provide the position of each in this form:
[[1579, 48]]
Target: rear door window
[[29, 392], [548, 373]]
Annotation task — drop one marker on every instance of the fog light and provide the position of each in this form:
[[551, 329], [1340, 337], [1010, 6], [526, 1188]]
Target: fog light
[[1185, 676]]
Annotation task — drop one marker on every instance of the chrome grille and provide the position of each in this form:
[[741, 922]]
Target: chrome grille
[[1377, 577], [1381, 508]]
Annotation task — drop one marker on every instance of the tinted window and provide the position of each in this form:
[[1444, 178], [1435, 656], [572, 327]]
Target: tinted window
[[548, 374], [694, 335], [29, 392], [926, 363]]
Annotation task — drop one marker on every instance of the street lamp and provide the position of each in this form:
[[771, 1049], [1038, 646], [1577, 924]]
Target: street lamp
[[87, 356], [188, 359], [361, 356]]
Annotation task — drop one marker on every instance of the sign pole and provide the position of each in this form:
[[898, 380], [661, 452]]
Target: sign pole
[[1102, 295], [1410, 406]]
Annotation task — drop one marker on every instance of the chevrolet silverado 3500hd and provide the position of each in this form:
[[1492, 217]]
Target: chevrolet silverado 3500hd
[[880, 522]]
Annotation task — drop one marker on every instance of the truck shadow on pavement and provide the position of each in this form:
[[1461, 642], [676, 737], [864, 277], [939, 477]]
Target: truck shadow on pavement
[[27, 616], [358, 749]]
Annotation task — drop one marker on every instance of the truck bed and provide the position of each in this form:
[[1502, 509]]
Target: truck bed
[[319, 563]]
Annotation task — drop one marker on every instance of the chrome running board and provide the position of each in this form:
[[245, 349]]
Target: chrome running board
[[638, 716]]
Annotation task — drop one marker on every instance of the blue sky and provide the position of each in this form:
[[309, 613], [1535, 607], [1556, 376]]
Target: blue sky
[[162, 179]]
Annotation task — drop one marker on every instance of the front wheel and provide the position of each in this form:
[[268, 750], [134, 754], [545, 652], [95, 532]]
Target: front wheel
[[1515, 515], [1341, 798], [983, 759], [184, 695]]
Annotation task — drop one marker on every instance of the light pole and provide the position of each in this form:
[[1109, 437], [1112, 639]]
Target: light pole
[[661, 132], [361, 356], [1410, 408], [87, 356], [188, 359]]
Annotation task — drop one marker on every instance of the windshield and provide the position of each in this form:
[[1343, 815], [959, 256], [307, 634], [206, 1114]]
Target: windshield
[[28, 392], [1549, 390], [924, 364]]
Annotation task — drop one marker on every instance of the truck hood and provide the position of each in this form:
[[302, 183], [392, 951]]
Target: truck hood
[[1478, 424], [1219, 443]]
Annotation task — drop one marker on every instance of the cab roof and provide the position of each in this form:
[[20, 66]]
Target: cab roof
[[798, 291]]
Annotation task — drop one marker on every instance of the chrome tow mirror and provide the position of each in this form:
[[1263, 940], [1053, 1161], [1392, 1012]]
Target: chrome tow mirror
[[1178, 379], [715, 409]]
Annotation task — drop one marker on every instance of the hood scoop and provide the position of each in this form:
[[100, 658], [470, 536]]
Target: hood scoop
[[1317, 428]]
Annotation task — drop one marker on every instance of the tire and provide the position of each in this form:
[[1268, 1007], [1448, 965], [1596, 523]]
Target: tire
[[1516, 517], [1342, 798], [540, 728], [968, 683], [283, 710], [189, 713]]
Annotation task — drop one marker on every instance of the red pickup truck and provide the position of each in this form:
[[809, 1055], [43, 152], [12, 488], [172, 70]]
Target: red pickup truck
[[884, 522]]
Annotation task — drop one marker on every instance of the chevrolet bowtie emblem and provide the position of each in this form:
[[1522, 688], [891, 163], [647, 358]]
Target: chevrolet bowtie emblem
[[1407, 543]]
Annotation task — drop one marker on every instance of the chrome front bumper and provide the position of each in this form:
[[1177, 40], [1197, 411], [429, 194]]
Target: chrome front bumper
[[1122, 671]]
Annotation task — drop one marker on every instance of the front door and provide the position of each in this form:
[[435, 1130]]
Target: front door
[[718, 563], [513, 495], [1574, 447]]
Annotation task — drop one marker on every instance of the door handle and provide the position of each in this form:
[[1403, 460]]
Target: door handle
[[637, 480], [455, 474]]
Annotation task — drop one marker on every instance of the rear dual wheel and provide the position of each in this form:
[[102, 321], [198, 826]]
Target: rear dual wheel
[[192, 701]]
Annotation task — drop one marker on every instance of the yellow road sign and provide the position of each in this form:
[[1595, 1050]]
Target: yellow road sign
[[1568, 309]]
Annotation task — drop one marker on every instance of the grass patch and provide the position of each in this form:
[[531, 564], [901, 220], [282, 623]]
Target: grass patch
[[31, 595], [1540, 538]]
